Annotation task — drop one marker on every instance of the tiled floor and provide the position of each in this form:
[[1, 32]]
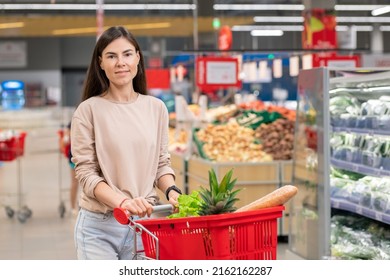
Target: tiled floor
[[45, 235]]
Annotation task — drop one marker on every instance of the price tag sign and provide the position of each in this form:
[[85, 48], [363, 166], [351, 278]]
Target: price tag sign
[[217, 72]]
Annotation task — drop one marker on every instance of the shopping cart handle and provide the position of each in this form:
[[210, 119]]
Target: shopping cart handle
[[123, 215]]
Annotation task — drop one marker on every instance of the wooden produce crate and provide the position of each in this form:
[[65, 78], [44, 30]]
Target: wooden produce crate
[[255, 179]]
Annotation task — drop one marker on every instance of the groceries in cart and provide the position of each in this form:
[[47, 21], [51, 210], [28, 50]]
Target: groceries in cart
[[207, 225]]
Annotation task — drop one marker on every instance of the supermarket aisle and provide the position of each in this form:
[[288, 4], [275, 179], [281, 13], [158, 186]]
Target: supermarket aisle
[[45, 235]]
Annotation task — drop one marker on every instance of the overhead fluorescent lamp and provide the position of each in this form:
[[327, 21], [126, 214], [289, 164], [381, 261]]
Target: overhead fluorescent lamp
[[356, 8], [86, 30], [299, 28], [380, 11], [11, 25], [278, 19], [287, 7], [89, 7], [267, 33], [384, 28], [363, 19], [299, 19], [267, 27], [363, 28], [258, 7]]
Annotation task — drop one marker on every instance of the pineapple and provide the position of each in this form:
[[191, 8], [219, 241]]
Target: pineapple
[[220, 197]]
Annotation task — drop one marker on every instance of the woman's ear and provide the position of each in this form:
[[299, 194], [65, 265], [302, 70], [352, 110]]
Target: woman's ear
[[100, 63]]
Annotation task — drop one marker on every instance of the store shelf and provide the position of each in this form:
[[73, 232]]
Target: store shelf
[[361, 210], [317, 89], [361, 130], [359, 168]]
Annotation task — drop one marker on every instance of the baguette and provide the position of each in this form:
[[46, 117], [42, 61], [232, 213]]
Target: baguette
[[278, 197]]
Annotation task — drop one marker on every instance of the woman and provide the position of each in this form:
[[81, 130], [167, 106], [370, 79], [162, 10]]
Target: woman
[[119, 142]]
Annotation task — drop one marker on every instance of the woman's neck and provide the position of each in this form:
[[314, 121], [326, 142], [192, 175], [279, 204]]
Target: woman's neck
[[127, 96]]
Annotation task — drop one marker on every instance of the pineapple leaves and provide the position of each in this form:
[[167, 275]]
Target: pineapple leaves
[[220, 197], [225, 181]]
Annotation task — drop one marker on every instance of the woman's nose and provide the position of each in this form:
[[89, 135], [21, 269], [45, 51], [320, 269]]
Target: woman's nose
[[120, 60]]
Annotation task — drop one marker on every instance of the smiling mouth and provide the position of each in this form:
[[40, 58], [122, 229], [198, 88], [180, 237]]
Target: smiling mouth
[[121, 72]]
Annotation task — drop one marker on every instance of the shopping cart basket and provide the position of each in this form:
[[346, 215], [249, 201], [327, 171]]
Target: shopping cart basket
[[13, 147], [250, 235], [10, 149], [64, 149]]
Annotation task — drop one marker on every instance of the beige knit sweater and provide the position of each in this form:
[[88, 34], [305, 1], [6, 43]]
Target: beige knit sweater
[[123, 144]]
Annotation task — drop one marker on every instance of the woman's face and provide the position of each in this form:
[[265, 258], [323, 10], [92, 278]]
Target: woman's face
[[119, 61]]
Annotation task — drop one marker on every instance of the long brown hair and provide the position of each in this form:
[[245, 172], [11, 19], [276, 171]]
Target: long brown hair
[[97, 82]]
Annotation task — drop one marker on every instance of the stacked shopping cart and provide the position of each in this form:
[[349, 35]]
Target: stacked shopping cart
[[12, 148]]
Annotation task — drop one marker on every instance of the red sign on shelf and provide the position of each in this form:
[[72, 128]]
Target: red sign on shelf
[[217, 72], [332, 59]]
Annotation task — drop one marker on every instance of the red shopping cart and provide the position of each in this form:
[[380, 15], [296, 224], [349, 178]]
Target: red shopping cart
[[250, 235], [64, 149], [10, 149]]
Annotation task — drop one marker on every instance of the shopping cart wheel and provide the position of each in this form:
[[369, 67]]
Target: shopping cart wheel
[[27, 211], [22, 216], [10, 212], [62, 209]]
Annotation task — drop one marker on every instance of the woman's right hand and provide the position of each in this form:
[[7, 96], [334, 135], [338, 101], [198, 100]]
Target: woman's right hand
[[138, 206]]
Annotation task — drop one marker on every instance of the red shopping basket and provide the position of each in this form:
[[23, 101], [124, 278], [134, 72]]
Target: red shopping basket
[[12, 148], [64, 146], [250, 235]]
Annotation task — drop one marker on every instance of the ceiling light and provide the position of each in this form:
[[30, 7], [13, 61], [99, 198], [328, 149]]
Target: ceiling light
[[86, 30], [299, 19], [288, 7], [267, 27], [267, 33], [381, 11], [278, 19], [258, 7], [94, 7], [11, 25], [299, 28]]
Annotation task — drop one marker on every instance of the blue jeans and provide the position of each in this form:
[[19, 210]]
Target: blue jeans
[[100, 237]]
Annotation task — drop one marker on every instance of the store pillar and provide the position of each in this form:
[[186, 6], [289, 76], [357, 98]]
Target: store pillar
[[376, 39]]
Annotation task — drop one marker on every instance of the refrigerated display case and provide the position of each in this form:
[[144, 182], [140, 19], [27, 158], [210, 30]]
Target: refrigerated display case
[[341, 155]]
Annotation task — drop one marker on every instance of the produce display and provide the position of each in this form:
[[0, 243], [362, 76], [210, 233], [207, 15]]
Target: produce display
[[230, 143], [259, 105], [277, 138], [348, 111], [366, 191], [357, 238], [178, 140]]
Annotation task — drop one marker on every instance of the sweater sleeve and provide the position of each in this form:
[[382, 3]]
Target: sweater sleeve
[[164, 163], [83, 152]]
